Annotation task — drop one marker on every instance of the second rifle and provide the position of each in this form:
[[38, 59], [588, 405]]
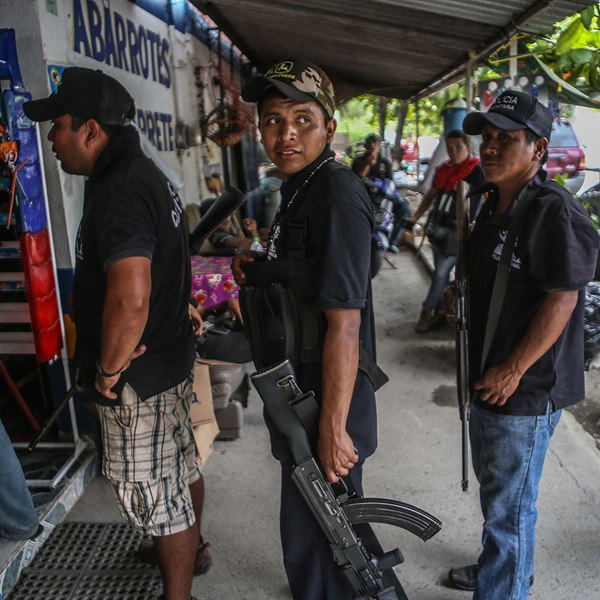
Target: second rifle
[[462, 324]]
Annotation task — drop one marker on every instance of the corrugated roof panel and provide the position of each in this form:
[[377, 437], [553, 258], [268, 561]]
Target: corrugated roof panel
[[392, 47]]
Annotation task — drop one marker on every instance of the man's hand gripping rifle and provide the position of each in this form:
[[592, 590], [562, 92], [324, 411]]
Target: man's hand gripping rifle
[[343, 516]]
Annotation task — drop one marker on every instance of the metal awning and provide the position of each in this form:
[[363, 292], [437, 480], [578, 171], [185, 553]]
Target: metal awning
[[395, 48]]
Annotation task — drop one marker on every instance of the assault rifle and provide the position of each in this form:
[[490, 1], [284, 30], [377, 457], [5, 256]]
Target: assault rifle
[[462, 324], [343, 516]]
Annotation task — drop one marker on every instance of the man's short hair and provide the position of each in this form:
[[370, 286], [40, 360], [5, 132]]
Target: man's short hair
[[111, 131], [456, 134], [374, 137], [273, 92], [532, 137]]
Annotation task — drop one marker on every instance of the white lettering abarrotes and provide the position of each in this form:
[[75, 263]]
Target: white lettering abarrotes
[[107, 37]]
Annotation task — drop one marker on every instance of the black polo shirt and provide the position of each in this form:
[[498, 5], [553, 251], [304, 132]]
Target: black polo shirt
[[340, 224], [557, 251], [382, 169], [131, 209]]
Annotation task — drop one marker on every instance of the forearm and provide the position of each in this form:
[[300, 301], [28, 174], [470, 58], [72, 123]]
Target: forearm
[[123, 324], [545, 329], [241, 243], [425, 203], [340, 365]]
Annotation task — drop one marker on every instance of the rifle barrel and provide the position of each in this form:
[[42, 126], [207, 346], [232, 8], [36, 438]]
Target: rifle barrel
[[462, 324]]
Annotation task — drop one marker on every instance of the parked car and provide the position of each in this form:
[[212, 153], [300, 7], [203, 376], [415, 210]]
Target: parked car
[[566, 156]]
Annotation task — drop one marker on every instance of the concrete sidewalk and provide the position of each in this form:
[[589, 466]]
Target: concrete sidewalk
[[418, 462]]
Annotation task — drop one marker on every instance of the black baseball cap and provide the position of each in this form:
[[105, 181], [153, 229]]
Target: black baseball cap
[[511, 111], [87, 94]]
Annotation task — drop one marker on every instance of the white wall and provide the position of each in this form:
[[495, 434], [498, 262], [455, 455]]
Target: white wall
[[45, 39]]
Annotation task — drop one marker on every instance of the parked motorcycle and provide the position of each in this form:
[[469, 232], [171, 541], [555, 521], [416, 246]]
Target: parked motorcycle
[[381, 192]]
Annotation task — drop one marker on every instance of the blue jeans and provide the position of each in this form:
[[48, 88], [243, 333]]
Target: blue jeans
[[401, 210], [508, 458], [439, 280], [18, 518]]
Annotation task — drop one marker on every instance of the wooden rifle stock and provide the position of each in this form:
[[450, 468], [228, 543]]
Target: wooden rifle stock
[[462, 324]]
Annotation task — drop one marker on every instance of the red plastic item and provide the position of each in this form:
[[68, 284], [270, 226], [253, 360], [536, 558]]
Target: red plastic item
[[41, 294]]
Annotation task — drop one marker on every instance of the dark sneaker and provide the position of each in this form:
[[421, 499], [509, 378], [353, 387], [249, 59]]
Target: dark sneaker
[[425, 320], [147, 554], [465, 578], [439, 318]]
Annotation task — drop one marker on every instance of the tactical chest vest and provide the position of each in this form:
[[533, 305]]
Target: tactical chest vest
[[278, 300]]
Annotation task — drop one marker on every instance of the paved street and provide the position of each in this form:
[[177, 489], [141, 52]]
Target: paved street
[[418, 461]]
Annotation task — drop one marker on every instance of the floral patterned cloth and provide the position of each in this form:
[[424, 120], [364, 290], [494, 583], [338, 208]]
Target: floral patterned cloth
[[212, 280]]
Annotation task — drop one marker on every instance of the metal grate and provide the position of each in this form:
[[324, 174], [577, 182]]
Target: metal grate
[[89, 561]]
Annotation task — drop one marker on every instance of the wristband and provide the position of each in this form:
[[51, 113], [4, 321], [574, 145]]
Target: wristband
[[103, 373], [256, 239]]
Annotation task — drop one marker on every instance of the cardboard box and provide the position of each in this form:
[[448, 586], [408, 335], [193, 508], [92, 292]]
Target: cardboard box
[[202, 413], [202, 410], [204, 436], [212, 361]]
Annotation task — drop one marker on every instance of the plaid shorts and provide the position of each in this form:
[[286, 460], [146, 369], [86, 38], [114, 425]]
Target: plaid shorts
[[150, 458]]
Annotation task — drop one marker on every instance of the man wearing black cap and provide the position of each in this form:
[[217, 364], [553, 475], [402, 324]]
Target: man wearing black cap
[[534, 365], [135, 344], [328, 205], [375, 166]]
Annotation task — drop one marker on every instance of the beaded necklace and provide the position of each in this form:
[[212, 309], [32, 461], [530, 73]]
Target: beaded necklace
[[280, 211]]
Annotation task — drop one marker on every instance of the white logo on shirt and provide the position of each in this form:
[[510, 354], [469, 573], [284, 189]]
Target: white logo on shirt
[[515, 261], [178, 205], [79, 243], [272, 251]]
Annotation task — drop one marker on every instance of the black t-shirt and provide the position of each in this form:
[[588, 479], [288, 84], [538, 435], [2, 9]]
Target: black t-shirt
[[382, 169], [131, 209], [339, 227], [557, 252], [447, 201]]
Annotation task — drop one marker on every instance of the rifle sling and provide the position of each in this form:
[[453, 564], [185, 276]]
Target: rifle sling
[[504, 265]]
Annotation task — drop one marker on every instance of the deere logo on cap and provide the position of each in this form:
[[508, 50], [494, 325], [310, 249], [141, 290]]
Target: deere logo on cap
[[283, 67]]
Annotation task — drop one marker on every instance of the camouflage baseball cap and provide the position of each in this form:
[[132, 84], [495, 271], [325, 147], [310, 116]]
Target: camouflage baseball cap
[[297, 79]]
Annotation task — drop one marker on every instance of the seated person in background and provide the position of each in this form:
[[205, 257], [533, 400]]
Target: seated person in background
[[372, 164], [215, 185], [232, 347], [228, 236], [375, 166]]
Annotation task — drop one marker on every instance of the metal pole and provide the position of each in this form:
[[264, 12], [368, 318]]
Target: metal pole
[[469, 86], [417, 140], [512, 63], [224, 150]]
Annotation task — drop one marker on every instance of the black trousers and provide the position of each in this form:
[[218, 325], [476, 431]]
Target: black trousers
[[309, 565]]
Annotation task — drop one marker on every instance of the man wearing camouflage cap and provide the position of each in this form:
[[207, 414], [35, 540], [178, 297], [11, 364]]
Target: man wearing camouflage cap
[[328, 204]]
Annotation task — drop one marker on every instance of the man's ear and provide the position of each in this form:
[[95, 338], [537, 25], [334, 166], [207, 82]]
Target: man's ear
[[331, 127], [94, 133], [541, 145]]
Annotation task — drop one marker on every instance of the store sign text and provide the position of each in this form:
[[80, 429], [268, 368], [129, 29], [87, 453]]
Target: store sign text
[[107, 37]]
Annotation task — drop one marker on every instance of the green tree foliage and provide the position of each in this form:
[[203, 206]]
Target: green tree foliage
[[575, 52], [572, 51], [358, 116]]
